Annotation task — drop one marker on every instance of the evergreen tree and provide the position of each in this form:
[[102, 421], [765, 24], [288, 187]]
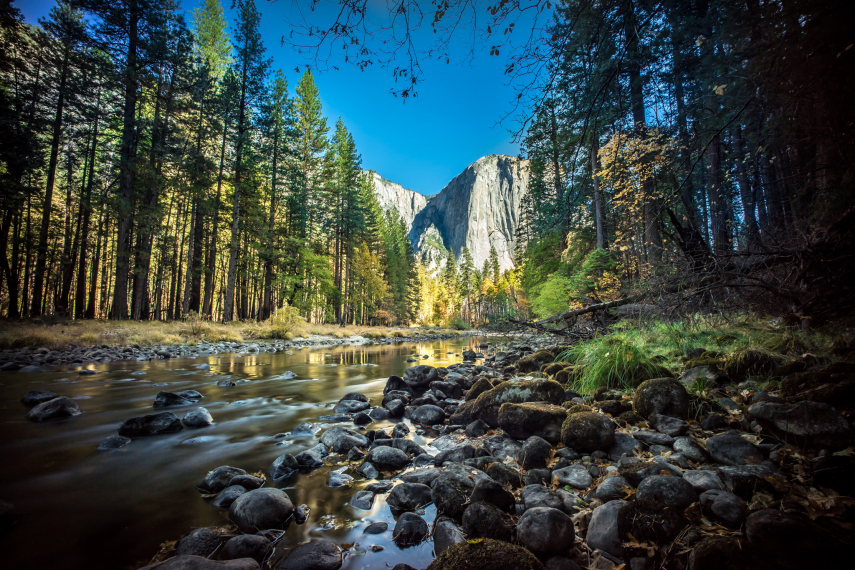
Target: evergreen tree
[[251, 66]]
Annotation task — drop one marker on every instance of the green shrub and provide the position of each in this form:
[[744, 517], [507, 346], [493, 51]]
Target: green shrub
[[613, 361], [284, 322]]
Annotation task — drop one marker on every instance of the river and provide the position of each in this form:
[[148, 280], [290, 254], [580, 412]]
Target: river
[[75, 507]]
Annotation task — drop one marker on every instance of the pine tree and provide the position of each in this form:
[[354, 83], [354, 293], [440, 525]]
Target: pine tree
[[251, 67]]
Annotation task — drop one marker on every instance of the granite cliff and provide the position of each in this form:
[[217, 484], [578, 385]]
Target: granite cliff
[[478, 209]]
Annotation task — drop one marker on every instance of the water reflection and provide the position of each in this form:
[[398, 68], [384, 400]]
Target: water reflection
[[86, 509]]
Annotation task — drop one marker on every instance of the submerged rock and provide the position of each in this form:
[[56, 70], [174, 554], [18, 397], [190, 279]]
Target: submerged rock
[[197, 418], [56, 408], [151, 424], [36, 397]]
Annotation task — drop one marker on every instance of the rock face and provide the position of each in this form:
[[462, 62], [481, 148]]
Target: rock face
[[391, 195], [478, 209]]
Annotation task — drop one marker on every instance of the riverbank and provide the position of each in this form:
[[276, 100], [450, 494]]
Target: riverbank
[[76, 344], [740, 462]]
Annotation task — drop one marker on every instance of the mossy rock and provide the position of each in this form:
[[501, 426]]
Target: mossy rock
[[741, 364], [661, 396], [486, 406], [567, 375], [532, 418], [588, 431], [533, 362], [554, 367], [479, 387], [486, 554], [574, 408]]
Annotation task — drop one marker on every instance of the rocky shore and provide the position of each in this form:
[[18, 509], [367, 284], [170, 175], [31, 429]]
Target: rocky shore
[[40, 359], [528, 474]]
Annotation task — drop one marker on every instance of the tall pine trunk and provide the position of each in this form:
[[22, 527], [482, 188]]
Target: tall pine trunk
[[127, 170], [56, 132]]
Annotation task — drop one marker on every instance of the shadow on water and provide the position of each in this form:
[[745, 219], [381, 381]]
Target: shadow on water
[[74, 507]]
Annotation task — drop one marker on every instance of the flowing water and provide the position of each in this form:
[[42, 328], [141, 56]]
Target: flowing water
[[75, 507]]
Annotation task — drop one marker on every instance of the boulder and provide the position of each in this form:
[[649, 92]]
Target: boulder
[[409, 496], [151, 424], [201, 542], [112, 442], [57, 408], [724, 507], [170, 399], [227, 496], [661, 396], [317, 555], [312, 458], [659, 526], [385, 457], [486, 406], [612, 488], [665, 491], [521, 420], [428, 415], [810, 424], [603, 529], [197, 418], [703, 480], [486, 554], [350, 406], [358, 396], [261, 509], [731, 448], [342, 440], [36, 397], [418, 378], [536, 452], [576, 476], [363, 500], [545, 531], [451, 490], [193, 562], [670, 426], [218, 479], [446, 534], [246, 546], [588, 431], [410, 529], [483, 520], [491, 492]]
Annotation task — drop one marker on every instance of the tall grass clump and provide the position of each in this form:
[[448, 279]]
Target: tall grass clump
[[286, 323], [613, 361]]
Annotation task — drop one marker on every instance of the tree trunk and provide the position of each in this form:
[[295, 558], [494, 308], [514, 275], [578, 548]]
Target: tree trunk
[[127, 171], [85, 216], [56, 132], [599, 207], [208, 304], [234, 245], [652, 233]]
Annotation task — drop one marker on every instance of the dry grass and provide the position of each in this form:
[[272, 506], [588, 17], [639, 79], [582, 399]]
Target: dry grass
[[189, 331]]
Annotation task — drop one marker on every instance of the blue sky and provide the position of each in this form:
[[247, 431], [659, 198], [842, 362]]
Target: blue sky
[[421, 143]]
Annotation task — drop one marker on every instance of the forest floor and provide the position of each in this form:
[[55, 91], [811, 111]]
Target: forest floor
[[86, 333]]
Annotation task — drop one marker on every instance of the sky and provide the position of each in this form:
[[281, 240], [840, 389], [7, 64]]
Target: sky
[[422, 142]]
